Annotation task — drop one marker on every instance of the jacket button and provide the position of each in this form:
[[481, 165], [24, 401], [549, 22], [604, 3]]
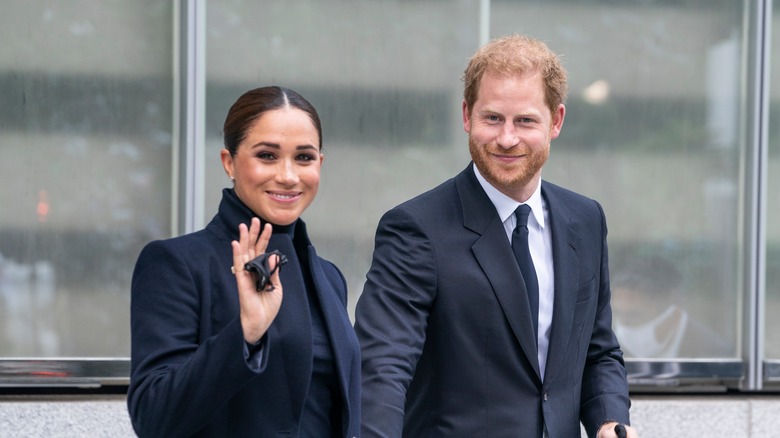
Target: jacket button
[[545, 396]]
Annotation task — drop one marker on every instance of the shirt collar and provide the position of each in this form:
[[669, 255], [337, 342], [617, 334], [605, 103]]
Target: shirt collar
[[506, 206]]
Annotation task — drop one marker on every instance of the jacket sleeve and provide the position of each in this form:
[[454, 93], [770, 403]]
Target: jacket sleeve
[[178, 377], [391, 318], [604, 394]]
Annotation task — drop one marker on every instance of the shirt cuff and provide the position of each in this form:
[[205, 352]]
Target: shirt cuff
[[253, 354]]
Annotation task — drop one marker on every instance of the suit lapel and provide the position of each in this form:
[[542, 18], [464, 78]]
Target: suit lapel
[[494, 255], [293, 319], [338, 328], [565, 241]]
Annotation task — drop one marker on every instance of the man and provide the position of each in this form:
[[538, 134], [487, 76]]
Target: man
[[445, 323]]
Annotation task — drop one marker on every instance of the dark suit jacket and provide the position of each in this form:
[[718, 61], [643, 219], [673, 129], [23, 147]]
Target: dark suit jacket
[[445, 328], [192, 374]]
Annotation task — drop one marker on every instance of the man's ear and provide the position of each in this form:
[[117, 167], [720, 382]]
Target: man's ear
[[557, 121], [466, 117]]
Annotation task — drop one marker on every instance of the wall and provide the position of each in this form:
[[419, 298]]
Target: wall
[[712, 416]]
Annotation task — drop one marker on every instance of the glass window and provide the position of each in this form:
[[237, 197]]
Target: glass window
[[85, 157], [386, 90], [655, 131], [652, 132], [772, 309]]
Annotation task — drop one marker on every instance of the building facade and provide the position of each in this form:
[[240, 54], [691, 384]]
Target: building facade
[[110, 131]]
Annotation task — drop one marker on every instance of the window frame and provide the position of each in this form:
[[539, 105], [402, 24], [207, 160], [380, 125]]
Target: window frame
[[752, 371]]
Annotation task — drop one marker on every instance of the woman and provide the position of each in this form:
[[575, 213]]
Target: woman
[[214, 353]]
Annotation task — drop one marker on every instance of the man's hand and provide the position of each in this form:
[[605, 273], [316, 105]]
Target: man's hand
[[616, 430]]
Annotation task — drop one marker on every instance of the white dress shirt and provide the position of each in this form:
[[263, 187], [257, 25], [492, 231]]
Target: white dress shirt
[[540, 244]]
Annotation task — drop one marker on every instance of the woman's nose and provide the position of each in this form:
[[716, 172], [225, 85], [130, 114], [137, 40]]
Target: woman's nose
[[286, 173]]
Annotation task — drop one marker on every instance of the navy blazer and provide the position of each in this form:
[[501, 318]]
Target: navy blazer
[[192, 374], [445, 326]]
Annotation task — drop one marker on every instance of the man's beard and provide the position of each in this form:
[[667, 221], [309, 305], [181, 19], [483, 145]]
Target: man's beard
[[507, 179]]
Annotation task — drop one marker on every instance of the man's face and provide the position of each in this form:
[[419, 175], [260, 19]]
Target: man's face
[[510, 129]]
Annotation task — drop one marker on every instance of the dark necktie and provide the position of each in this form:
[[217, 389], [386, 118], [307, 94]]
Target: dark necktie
[[523, 256]]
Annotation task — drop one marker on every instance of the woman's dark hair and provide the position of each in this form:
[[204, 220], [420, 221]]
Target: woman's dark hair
[[254, 103]]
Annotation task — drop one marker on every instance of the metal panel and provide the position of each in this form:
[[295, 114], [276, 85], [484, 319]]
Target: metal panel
[[686, 375], [78, 372], [190, 139], [772, 371], [754, 192]]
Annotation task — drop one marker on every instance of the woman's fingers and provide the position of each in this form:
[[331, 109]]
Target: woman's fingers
[[273, 265], [261, 244], [252, 242], [240, 248], [254, 231]]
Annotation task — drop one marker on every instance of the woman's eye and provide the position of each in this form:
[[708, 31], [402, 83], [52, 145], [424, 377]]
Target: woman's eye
[[265, 156], [306, 157]]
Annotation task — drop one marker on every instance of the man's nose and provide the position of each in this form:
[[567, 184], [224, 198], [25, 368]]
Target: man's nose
[[508, 137]]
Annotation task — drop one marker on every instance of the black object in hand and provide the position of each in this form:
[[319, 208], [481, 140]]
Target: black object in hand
[[259, 266], [620, 430]]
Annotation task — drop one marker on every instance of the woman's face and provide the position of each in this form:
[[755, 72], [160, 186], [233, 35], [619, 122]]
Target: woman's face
[[277, 166]]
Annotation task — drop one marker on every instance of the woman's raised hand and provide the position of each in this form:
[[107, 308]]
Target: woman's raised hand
[[258, 309]]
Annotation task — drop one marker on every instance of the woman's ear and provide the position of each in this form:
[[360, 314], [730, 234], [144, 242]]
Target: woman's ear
[[227, 163]]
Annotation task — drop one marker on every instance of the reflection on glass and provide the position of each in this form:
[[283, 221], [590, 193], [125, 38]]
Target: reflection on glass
[[654, 316], [387, 92], [85, 156], [652, 132]]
